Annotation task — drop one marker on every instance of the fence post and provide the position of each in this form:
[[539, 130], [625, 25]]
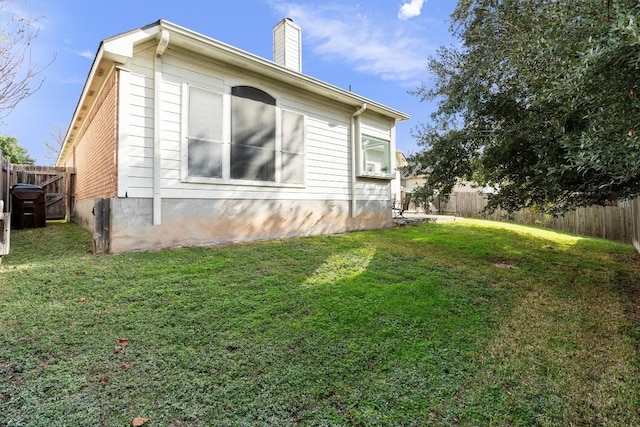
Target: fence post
[[102, 226], [635, 222]]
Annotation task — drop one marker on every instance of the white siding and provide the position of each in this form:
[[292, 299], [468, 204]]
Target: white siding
[[327, 141], [139, 168]]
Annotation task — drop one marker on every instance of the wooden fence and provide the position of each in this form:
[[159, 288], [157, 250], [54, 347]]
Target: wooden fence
[[635, 219], [58, 183], [620, 222], [5, 215], [5, 182]]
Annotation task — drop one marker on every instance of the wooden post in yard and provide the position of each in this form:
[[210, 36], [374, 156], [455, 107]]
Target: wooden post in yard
[[101, 233]]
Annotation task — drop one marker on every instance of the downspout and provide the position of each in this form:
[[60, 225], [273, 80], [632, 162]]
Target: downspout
[[163, 42], [355, 143]]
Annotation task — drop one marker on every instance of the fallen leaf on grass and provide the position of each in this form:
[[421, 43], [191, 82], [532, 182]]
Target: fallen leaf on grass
[[139, 421], [105, 380], [118, 349], [82, 299], [123, 341]]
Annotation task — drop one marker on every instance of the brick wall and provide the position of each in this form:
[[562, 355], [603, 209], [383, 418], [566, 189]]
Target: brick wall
[[95, 156]]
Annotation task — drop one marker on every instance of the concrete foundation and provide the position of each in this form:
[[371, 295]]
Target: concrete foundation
[[203, 222]]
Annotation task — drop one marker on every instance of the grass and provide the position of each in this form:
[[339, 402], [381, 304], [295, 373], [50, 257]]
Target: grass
[[460, 324]]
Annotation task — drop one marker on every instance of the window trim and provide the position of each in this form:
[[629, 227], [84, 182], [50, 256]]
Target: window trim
[[362, 172], [226, 142]]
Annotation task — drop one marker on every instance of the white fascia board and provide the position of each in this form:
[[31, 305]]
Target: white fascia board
[[120, 48], [208, 46], [71, 132]]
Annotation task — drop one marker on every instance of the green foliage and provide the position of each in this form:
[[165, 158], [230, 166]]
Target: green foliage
[[540, 102], [470, 323], [12, 150]]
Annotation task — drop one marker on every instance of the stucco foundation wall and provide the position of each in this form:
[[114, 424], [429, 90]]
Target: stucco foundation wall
[[83, 215], [191, 222]]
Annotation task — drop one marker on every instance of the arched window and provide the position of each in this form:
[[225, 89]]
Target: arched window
[[253, 134], [248, 138]]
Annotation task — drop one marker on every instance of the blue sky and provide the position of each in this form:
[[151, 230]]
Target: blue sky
[[378, 47]]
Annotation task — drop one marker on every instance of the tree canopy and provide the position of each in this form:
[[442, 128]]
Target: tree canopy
[[539, 102], [10, 149]]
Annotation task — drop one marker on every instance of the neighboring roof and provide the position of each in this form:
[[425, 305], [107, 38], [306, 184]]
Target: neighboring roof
[[119, 48]]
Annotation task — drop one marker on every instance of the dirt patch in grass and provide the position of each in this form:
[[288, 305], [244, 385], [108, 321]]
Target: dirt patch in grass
[[504, 264]]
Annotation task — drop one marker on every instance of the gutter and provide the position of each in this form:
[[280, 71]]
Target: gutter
[[355, 143], [218, 50], [163, 42]]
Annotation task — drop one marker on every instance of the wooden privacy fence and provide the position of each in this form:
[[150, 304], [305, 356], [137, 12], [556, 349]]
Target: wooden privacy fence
[[5, 215], [620, 222], [58, 183], [635, 219]]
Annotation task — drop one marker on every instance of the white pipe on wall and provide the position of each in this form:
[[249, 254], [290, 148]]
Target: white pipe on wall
[[163, 42], [355, 143]]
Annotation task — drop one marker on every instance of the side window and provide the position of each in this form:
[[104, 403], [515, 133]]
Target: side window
[[204, 133], [253, 134], [376, 157]]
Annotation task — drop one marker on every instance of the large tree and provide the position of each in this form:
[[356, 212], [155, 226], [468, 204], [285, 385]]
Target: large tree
[[539, 102], [12, 150], [18, 70]]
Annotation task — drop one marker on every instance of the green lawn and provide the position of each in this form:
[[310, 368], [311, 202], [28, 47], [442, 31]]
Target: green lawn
[[458, 324]]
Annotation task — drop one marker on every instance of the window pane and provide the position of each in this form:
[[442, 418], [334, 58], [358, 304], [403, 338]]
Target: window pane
[[253, 93], [292, 147], [252, 163], [253, 134], [375, 155], [293, 168], [205, 114], [292, 132], [253, 123], [204, 158]]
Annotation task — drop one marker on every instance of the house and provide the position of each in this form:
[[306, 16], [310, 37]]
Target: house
[[181, 140], [397, 185], [411, 182]]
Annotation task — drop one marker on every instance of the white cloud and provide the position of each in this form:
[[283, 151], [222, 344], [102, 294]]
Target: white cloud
[[81, 53], [410, 9], [72, 81], [373, 46], [85, 54]]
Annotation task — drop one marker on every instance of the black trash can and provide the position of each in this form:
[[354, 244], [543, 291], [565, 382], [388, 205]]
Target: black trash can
[[28, 206]]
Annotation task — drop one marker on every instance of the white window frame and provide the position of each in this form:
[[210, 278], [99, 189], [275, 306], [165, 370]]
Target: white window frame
[[226, 143], [363, 170]]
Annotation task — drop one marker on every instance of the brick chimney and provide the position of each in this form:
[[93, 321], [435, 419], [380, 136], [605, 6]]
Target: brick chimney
[[287, 45]]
